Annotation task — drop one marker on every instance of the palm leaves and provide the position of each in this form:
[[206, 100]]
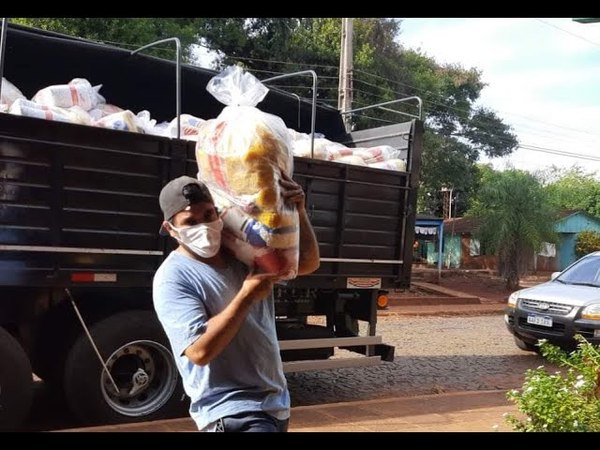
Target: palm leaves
[[516, 218]]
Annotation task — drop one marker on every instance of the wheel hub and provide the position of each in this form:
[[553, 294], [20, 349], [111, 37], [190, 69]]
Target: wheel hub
[[145, 375]]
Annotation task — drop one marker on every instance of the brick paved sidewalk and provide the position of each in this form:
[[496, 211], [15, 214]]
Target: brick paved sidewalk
[[476, 411]]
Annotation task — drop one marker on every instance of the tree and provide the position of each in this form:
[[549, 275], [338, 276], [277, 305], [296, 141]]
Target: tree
[[457, 131], [516, 217], [574, 189], [131, 33], [446, 163]]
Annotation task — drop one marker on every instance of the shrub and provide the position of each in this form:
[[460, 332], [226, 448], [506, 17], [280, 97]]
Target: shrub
[[587, 242], [568, 400]]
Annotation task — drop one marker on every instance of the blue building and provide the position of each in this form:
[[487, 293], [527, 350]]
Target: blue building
[[461, 249], [568, 226], [429, 234]]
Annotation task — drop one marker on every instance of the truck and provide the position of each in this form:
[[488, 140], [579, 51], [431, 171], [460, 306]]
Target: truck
[[79, 241]]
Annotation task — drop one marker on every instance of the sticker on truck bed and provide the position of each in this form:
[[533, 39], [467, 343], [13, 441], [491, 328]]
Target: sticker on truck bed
[[363, 283]]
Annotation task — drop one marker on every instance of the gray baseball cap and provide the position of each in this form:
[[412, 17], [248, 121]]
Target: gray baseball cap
[[178, 194]]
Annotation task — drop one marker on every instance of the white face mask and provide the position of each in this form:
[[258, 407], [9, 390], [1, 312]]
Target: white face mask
[[203, 239]]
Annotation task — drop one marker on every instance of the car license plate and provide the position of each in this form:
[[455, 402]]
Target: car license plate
[[539, 320]]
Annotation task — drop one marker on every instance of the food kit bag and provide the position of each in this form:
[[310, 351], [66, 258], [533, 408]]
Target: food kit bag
[[241, 155]]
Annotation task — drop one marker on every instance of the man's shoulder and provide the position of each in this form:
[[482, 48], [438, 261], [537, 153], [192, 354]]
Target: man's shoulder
[[172, 268], [177, 266]]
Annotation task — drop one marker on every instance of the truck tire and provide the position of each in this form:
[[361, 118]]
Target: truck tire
[[137, 354], [16, 383]]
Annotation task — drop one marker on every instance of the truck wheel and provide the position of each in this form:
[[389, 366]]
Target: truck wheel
[[16, 383], [136, 352]]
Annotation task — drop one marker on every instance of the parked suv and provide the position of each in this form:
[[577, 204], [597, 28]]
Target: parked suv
[[557, 310]]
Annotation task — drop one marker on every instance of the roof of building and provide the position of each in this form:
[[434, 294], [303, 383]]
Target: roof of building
[[461, 225]]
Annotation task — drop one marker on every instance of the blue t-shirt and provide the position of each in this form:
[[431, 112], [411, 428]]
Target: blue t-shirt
[[248, 375]]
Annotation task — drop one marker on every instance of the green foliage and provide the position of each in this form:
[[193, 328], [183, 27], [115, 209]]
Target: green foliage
[[384, 70], [562, 401], [131, 33], [574, 189], [587, 242], [516, 217], [446, 162]]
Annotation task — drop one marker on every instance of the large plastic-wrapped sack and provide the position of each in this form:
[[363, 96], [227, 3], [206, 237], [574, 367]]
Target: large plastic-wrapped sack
[[102, 110], [27, 108], [10, 93], [160, 129], [391, 164], [188, 125], [78, 92], [78, 115], [323, 148], [144, 122], [241, 155], [335, 154], [377, 154], [124, 121], [352, 159]]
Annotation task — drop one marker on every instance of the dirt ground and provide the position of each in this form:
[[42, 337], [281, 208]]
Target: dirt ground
[[480, 284]]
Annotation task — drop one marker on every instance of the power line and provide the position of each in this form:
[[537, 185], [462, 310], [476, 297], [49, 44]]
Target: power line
[[270, 61], [423, 91], [569, 32], [488, 130], [103, 41], [419, 90], [552, 151]]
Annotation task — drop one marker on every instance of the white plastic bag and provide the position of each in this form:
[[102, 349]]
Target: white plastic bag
[[144, 122], [26, 108], [10, 93], [78, 92], [124, 121], [102, 110], [234, 87], [189, 127], [241, 155], [391, 164]]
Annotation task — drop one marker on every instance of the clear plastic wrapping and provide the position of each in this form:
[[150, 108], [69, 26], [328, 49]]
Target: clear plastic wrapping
[[241, 155]]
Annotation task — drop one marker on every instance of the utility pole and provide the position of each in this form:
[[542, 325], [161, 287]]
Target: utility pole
[[345, 82], [447, 202]]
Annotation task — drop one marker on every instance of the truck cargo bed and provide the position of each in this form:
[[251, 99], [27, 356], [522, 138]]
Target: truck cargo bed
[[76, 198]]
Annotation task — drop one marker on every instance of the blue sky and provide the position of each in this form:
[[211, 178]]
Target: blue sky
[[543, 79]]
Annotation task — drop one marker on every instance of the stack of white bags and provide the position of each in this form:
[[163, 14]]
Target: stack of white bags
[[80, 103]]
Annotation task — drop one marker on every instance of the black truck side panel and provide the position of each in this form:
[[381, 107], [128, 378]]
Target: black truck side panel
[[75, 187], [67, 189], [361, 214], [72, 186]]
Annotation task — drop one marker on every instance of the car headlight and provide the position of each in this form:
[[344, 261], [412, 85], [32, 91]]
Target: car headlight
[[591, 312], [512, 299]]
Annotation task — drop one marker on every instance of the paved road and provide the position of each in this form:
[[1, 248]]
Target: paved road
[[433, 355]]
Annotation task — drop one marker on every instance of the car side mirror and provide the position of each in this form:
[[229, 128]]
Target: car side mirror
[[554, 275]]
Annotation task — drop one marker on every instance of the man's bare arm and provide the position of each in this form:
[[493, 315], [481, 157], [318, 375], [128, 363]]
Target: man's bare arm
[[223, 327], [309, 256]]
